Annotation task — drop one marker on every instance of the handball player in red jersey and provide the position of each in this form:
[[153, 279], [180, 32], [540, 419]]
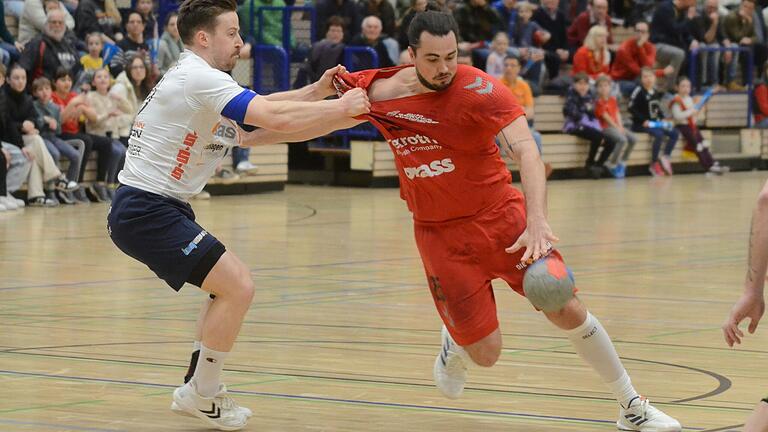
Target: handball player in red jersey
[[442, 121]]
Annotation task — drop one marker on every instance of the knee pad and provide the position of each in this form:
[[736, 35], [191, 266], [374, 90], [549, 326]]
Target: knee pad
[[548, 284]]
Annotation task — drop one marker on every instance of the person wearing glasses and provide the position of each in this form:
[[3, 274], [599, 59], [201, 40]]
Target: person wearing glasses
[[634, 54]]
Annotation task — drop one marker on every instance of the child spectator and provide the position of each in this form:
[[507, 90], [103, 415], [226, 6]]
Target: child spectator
[[607, 111], [648, 117], [92, 61], [684, 113], [73, 107], [494, 65], [50, 129], [580, 120], [102, 112]]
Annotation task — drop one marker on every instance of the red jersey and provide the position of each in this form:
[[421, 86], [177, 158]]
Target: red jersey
[[444, 142], [606, 106], [71, 126]]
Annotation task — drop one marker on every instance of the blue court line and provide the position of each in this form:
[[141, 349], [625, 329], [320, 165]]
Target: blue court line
[[339, 400], [58, 426]]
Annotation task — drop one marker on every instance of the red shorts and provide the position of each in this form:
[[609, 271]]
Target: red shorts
[[462, 257]]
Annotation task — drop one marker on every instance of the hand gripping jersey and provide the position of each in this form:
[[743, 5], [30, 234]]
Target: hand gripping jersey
[[183, 129], [444, 142]]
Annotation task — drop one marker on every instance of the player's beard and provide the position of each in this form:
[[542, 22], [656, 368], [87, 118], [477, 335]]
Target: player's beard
[[431, 86], [230, 62]]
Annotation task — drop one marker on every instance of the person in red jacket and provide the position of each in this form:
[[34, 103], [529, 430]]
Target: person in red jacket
[[596, 14], [761, 103], [593, 58], [634, 54]]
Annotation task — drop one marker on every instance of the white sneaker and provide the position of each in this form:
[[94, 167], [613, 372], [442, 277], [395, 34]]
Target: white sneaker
[[450, 370], [9, 204], [222, 391], [19, 202], [666, 164], [641, 416], [3, 208], [246, 167], [220, 411]]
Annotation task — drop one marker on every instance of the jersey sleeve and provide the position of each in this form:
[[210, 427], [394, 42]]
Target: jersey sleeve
[[216, 91], [490, 110]]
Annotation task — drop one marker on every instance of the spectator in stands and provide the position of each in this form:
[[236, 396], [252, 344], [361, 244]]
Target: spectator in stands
[[596, 14], [44, 176], [147, 10], [73, 106], [328, 52], [346, 9], [684, 114], [507, 10], [647, 114], [607, 111], [371, 36], [580, 120], [464, 56], [132, 44], [634, 54], [99, 16], [478, 24], [49, 115], [670, 32], [10, 49], [102, 113], [171, 45], [405, 22], [131, 87], [382, 9], [35, 16], [92, 61], [528, 33], [739, 29], [551, 19], [17, 164], [48, 52], [706, 29], [593, 58], [494, 65], [524, 95], [272, 33]]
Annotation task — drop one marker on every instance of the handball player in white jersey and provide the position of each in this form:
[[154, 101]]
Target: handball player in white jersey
[[187, 124]]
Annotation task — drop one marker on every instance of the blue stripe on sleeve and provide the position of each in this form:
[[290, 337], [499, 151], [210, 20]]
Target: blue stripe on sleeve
[[238, 106]]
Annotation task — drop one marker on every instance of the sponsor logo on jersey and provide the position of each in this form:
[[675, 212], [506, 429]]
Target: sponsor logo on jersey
[[418, 118], [184, 154], [137, 129], [433, 169], [223, 131], [406, 145]]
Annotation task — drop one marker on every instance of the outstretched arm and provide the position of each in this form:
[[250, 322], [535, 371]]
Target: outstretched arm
[[517, 141], [291, 116], [261, 137], [317, 91], [752, 304]]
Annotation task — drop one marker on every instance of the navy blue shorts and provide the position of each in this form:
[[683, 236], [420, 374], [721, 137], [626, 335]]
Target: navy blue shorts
[[161, 232]]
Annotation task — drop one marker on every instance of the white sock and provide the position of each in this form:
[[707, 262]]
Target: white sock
[[196, 345], [208, 371], [593, 345]]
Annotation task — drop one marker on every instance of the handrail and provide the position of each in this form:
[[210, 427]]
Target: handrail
[[349, 58], [693, 75], [258, 62]]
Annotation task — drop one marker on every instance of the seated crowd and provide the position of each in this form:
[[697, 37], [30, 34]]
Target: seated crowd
[[75, 73]]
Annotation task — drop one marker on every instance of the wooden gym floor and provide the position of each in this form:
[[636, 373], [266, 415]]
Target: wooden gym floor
[[343, 333]]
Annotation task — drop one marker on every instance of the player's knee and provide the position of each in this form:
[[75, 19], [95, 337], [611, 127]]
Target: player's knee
[[488, 355], [244, 287]]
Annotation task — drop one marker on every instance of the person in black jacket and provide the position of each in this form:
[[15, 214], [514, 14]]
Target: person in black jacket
[[580, 120], [551, 19], [98, 16], [47, 52], [17, 160], [645, 107], [44, 176], [672, 33], [371, 37]]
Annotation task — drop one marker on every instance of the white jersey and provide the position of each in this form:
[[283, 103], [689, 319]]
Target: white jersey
[[179, 135]]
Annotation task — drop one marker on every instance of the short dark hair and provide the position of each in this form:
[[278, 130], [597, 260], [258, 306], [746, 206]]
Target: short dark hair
[[580, 77], [133, 12], [334, 21], [201, 14], [432, 21], [62, 72], [515, 58]]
